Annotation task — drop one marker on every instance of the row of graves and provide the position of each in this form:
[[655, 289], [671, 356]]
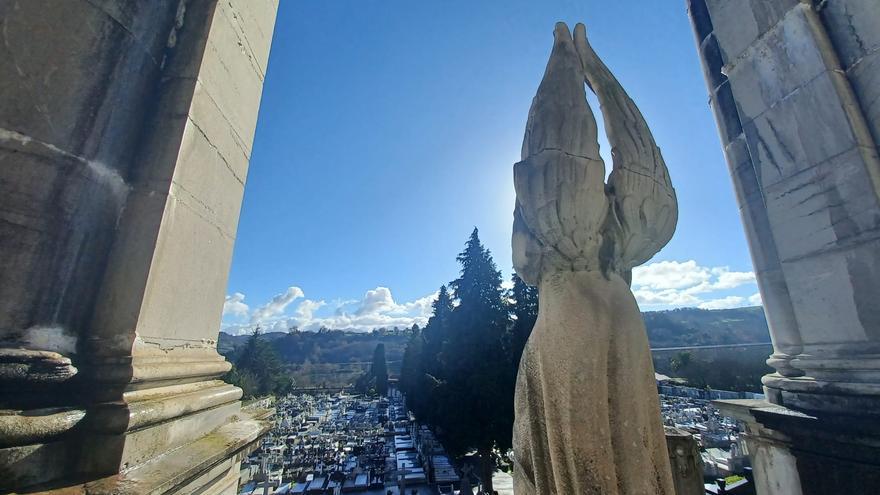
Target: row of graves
[[722, 449], [419, 461], [321, 445], [339, 443]]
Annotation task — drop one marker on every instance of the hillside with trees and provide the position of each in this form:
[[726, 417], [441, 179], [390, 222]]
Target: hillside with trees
[[697, 327], [675, 328]]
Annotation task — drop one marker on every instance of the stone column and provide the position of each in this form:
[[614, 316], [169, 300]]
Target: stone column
[[125, 135], [794, 87]]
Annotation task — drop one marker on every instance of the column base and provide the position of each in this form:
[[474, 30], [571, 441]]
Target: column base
[[813, 395]]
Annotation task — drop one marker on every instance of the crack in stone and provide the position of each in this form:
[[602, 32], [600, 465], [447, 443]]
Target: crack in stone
[[204, 205], [240, 32], [220, 230], [216, 149]]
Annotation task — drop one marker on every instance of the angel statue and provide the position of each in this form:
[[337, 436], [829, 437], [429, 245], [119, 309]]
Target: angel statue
[[587, 412]]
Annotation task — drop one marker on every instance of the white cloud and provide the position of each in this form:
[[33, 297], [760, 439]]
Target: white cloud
[[377, 308], [234, 305], [276, 305], [666, 284], [421, 306], [377, 300], [660, 285], [723, 303], [666, 297], [755, 299], [306, 309], [730, 280], [670, 275]]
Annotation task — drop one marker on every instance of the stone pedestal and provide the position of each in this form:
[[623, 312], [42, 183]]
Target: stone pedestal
[[686, 462], [125, 136], [793, 85]]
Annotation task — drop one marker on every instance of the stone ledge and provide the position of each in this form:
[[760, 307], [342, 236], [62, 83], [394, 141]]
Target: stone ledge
[[183, 466], [19, 428], [155, 410]]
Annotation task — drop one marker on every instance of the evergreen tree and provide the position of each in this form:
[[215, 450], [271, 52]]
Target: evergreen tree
[[436, 332], [421, 369], [375, 380], [258, 369], [475, 369], [411, 367], [459, 373], [379, 370]]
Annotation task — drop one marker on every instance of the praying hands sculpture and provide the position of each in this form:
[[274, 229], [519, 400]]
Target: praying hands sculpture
[[587, 410]]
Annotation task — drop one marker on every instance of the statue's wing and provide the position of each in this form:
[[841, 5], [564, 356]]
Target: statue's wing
[[561, 207], [643, 200]]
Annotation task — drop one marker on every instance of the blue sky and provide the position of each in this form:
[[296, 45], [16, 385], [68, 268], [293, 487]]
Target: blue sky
[[388, 130]]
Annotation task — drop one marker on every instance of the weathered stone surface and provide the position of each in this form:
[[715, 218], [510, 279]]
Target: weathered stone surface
[[737, 24], [865, 79], [22, 365], [576, 430], [804, 79], [836, 281], [36, 426], [776, 65], [70, 117], [808, 181], [828, 205], [125, 137], [687, 464], [852, 27], [765, 256]]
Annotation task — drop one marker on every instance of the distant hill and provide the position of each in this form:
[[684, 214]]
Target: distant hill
[[335, 346], [674, 328], [696, 327]]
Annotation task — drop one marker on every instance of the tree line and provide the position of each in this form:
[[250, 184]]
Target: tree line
[[459, 371]]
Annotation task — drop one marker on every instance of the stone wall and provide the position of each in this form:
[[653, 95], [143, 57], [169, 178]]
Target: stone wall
[[125, 136]]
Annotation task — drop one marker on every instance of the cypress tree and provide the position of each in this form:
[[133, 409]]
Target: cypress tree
[[379, 370], [474, 362], [437, 332], [411, 368]]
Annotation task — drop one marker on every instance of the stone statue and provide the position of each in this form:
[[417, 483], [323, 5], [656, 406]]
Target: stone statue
[[587, 410]]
